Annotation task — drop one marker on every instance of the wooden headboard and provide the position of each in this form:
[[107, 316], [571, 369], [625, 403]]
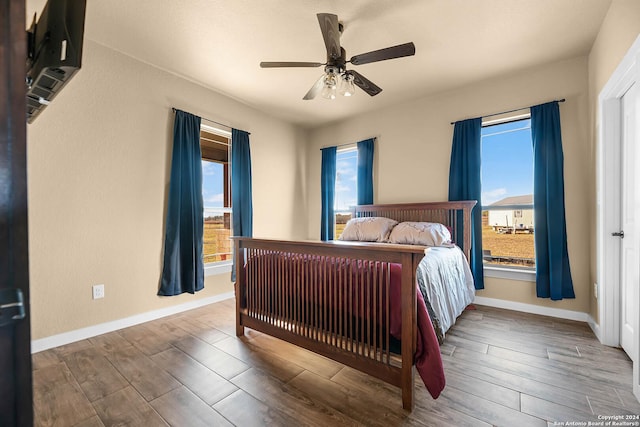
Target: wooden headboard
[[442, 212]]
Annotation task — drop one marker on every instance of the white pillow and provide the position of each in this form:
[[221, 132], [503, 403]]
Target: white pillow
[[368, 229], [420, 233]]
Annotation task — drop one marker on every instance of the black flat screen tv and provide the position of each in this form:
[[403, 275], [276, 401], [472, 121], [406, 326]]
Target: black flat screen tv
[[54, 52]]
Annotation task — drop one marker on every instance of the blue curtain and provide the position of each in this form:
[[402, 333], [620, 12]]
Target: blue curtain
[[241, 202], [464, 184], [553, 275], [328, 189], [183, 269], [365, 172]]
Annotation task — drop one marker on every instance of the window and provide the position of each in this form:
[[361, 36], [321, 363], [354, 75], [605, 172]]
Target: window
[[216, 193], [346, 192], [507, 194]]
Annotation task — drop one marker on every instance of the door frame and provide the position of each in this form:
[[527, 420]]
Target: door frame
[[608, 202]]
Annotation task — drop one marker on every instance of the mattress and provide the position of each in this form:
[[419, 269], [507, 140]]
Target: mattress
[[446, 284]]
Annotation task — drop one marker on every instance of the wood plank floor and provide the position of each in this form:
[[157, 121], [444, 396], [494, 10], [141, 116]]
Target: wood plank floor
[[503, 368]]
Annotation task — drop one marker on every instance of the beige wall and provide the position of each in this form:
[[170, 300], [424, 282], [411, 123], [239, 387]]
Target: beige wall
[[98, 170], [619, 30], [414, 147], [99, 160]]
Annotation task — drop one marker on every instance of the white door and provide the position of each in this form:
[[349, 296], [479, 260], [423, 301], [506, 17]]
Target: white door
[[630, 252]]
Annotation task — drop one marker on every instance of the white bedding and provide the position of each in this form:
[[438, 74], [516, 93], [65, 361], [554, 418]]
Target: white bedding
[[446, 283]]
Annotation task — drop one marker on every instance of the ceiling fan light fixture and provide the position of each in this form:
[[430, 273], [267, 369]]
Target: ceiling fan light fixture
[[336, 74], [347, 87], [330, 86]]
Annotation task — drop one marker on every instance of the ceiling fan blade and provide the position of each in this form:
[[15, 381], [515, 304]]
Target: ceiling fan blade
[[330, 33], [364, 83], [289, 64], [315, 89], [398, 51]]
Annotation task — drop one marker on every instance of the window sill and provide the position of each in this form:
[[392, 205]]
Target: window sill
[[521, 274], [215, 268]]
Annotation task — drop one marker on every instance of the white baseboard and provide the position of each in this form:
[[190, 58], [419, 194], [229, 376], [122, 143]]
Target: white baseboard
[[534, 309], [92, 331], [594, 327], [103, 328]]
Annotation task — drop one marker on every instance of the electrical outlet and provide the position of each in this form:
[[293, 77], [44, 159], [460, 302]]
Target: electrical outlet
[[98, 291]]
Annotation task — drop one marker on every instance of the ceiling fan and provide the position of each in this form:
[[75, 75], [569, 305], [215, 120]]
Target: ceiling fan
[[335, 68]]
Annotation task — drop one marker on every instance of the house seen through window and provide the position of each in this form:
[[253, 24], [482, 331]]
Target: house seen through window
[[507, 194], [216, 193], [346, 186]]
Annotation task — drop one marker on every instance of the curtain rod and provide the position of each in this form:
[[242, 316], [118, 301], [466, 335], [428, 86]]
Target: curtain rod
[[348, 143], [209, 120], [511, 111]]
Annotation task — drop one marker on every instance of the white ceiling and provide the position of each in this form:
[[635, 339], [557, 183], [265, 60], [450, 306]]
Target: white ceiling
[[219, 44]]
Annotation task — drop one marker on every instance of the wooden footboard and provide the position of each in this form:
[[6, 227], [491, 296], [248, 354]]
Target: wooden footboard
[[333, 299]]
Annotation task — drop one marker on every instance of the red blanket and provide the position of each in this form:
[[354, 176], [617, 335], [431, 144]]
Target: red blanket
[[427, 357]]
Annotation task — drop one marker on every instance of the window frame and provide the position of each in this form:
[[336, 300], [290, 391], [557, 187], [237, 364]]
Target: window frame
[[223, 266], [511, 272]]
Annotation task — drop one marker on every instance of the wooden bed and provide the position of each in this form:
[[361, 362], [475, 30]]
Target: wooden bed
[[333, 297]]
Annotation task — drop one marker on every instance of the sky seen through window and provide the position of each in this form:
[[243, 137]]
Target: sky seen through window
[[346, 179], [507, 161]]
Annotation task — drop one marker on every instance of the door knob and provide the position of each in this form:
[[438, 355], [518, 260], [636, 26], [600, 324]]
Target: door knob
[[619, 234]]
